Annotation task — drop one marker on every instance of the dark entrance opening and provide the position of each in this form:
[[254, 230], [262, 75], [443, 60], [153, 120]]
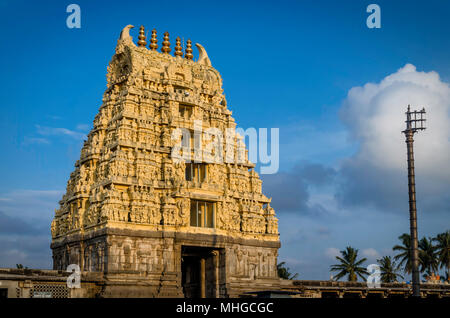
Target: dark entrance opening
[[396, 296], [374, 295], [352, 295], [3, 292], [200, 272], [330, 294]]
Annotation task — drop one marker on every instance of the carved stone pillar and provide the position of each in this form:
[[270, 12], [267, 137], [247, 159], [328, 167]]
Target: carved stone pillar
[[215, 255], [202, 278]]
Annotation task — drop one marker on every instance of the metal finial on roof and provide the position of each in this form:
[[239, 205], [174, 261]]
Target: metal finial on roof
[[178, 48], [153, 41], [166, 44], [188, 55], [142, 38]]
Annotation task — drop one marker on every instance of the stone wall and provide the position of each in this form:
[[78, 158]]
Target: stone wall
[[27, 283], [132, 257]]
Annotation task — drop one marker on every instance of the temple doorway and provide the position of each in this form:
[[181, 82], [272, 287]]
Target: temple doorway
[[200, 272]]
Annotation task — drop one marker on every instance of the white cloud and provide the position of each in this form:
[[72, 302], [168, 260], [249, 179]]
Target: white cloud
[[52, 131], [16, 255], [25, 235], [332, 252], [371, 253], [35, 140], [372, 177], [375, 116], [30, 204], [83, 127], [32, 252]]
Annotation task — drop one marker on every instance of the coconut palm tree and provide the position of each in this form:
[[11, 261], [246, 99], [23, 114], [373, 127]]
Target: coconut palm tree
[[389, 269], [443, 250], [284, 272], [404, 252], [349, 265], [427, 256]]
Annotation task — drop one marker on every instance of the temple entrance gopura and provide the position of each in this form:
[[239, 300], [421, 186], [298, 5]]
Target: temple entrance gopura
[[163, 200]]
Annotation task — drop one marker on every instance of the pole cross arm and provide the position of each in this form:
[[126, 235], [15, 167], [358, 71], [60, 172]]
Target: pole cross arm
[[415, 120]]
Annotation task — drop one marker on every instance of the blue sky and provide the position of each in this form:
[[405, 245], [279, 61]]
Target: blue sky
[[285, 64]]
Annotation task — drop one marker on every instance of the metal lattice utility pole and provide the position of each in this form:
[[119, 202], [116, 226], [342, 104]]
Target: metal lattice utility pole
[[414, 123]]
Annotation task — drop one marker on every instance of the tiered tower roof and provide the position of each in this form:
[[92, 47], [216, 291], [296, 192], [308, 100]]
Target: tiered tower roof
[[126, 176]]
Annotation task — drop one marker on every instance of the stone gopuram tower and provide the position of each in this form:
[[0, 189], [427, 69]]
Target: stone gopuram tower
[[155, 225]]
